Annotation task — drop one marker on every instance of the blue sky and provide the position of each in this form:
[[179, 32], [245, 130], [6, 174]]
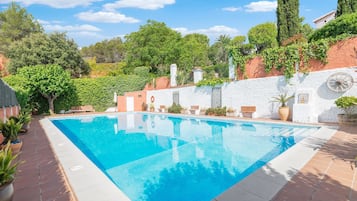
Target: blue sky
[[91, 21]]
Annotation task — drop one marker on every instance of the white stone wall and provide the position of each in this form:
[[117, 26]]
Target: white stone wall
[[187, 96], [258, 92]]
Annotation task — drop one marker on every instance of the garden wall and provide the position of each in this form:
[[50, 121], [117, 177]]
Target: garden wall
[[259, 91], [340, 55]]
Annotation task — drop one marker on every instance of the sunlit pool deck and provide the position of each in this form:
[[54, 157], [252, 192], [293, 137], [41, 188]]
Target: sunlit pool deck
[[311, 170]]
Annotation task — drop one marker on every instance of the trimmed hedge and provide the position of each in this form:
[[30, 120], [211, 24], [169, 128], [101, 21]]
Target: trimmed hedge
[[17, 83], [99, 92]]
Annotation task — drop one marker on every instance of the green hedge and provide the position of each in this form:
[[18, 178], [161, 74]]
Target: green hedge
[[17, 83], [99, 92]]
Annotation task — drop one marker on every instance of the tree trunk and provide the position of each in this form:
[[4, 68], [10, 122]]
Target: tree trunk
[[51, 106]]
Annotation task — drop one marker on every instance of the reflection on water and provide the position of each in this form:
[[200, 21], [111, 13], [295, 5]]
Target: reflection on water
[[159, 157], [189, 181]]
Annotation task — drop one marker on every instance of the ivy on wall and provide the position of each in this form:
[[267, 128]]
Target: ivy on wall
[[285, 58]]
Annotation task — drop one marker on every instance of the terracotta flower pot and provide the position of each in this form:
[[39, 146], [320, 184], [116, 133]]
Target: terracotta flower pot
[[284, 113], [16, 147]]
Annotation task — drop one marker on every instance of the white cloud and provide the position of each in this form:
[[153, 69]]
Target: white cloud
[[261, 6], [55, 3], [56, 26], [106, 17], [232, 9], [211, 32], [85, 34], [70, 28], [43, 22], [142, 4]]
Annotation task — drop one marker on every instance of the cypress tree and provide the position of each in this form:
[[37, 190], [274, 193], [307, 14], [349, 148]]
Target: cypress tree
[[345, 7], [288, 22]]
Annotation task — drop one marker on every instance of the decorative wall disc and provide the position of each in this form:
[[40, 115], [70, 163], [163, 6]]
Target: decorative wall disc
[[339, 82]]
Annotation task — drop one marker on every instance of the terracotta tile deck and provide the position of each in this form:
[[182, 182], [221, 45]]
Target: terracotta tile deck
[[328, 176], [39, 177]]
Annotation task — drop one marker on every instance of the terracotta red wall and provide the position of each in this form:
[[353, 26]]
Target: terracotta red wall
[[340, 55], [161, 83], [139, 99], [121, 104]]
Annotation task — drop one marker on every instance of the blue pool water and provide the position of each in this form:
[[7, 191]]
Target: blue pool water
[[162, 157]]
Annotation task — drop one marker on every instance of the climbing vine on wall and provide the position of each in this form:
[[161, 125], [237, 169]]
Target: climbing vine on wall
[[239, 59], [285, 58]]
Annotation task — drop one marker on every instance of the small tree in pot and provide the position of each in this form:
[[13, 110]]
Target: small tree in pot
[[10, 131], [349, 105], [283, 109]]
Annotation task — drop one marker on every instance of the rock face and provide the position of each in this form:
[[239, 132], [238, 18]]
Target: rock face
[[340, 55]]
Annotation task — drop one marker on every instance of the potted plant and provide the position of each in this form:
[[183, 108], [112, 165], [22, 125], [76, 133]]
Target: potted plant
[[10, 130], [231, 112], [152, 107], [284, 110], [7, 172], [349, 105], [23, 118], [175, 108]]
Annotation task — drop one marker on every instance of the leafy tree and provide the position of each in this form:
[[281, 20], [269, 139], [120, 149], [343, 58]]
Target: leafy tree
[[218, 52], [193, 53], [239, 44], [107, 51], [345, 24], [154, 45], [346, 7], [306, 30], [288, 22], [263, 36], [15, 24], [41, 48], [51, 81]]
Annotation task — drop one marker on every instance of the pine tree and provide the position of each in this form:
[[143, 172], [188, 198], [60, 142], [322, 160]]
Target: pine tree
[[15, 24], [288, 19], [345, 7]]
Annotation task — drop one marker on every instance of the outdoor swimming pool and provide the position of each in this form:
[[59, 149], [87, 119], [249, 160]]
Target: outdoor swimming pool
[[166, 157]]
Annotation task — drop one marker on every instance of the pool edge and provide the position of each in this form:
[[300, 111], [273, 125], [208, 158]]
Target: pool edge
[[76, 166], [267, 181]]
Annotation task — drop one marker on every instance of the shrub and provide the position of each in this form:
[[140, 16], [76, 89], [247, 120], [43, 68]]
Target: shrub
[[211, 82], [345, 24], [219, 111], [22, 94], [347, 103], [175, 108]]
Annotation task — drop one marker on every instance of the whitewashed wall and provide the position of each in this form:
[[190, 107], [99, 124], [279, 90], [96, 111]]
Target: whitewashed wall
[[188, 96], [258, 92]]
